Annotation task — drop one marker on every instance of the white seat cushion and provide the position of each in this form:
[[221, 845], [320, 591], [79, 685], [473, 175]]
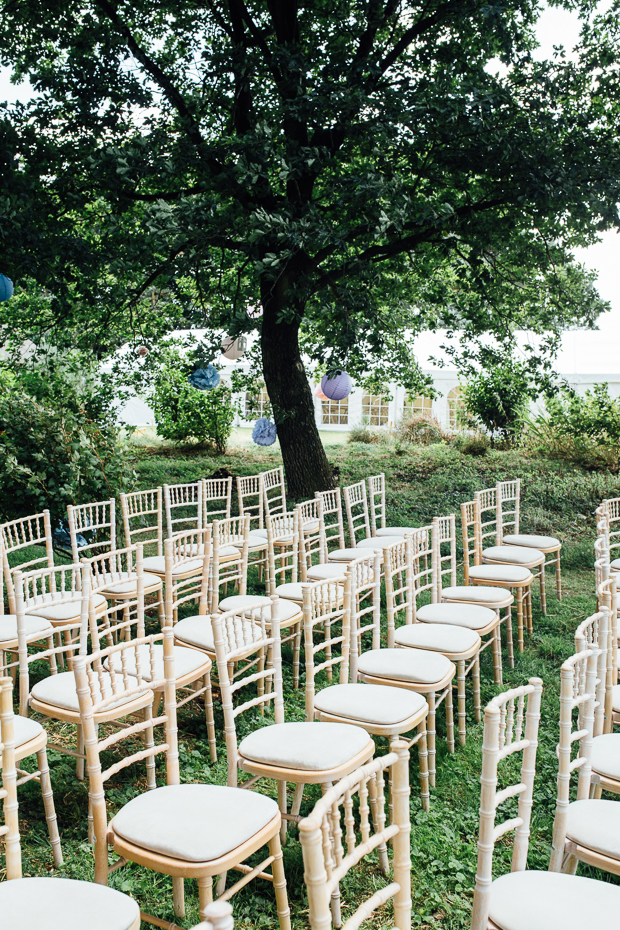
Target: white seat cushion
[[507, 573], [615, 698], [186, 661], [371, 704], [606, 755], [58, 610], [256, 542], [531, 540], [595, 824], [60, 691], [615, 565], [323, 571], [24, 729], [467, 615], [476, 594], [197, 823], [512, 555], [348, 555], [294, 592], [34, 625], [229, 552], [196, 631], [261, 533], [438, 637], [130, 586], [311, 747], [65, 904], [378, 542], [311, 526], [157, 563], [534, 900], [395, 531], [418, 666], [286, 609]]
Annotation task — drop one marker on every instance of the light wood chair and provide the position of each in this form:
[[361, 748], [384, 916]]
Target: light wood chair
[[409, 574], [229, 565], [475, 607], [216, 499], [274, 491], [376, 502], [608, 515], [186, 831], [250, 500], [17, 537], [381, 710], [358, 519], [312, 543], [183, 507], [326, 862], [332, 517], [300, 753], [37, 902], [507, 494], [143, 522]]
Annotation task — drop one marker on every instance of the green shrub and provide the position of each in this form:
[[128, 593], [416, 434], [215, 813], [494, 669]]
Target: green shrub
[[185, 414], [496, 400], [421, 430], [475, 444], [366, 435], [52, 455]]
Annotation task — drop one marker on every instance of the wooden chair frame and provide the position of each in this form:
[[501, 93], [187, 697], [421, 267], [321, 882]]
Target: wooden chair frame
[[228, 569], [250, 500], [376, 502], [325, 860], [609, 510], [21, 534], [356, 505], [591, 634], [332, 517], [8, 791], [274, 491], [187, 497], [138, 507], [216, 490]]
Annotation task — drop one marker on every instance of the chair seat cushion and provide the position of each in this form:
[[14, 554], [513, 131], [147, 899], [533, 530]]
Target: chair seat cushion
[[130, 585], [606, 755], [157, 563], [186, 661], [58, 610], [507, 573], [33, 625], [286, 609], [65, 904], [24, 729], [418, 666], [615, 565], [476, 594], [311, 747], [531, 540], [311, 526], [256, 542], [196, 631], [513, 555], [197, 823], [294, 591], [395, 530], [378, 542], [370, 704], [348, 555], [467, 615], [615, 698], [323, 571], [595, 824], [60, 691], [438, 637], [229, 552], [532, 900], [259, 533]]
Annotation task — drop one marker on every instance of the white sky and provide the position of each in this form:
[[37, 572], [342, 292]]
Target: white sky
[[555, 27]]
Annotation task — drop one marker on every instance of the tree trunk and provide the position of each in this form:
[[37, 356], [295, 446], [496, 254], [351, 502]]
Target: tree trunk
[[305, 463]]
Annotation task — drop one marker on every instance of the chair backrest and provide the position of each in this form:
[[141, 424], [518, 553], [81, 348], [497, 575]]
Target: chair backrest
[[8, 792], [326, 606], [18, 535], [508, 498], [488, 507], [399, 589], [607, 596], [216, 499], [423, 568], [444, 544], [127, 662], [143, 519], [312, 542], [332, 516], [250, 499], [356, 505], [243, 640], [274, 492], [282, 558], [327, 860], [593, 633], [505, 736], [376, 502], [611, 509], [577, 696], [183, 584], [472, 536], [63, 584], [124, 618], [364, 575], [227, 534], [183, 506], [92, 528]]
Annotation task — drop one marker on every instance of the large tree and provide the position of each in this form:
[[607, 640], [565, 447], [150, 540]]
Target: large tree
[[353, 168]]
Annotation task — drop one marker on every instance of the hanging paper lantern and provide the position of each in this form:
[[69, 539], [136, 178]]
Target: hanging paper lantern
[[264, 432], [319, 393], [205, 379], [6, 287], [337, 385], [143, 351], [234, 348]]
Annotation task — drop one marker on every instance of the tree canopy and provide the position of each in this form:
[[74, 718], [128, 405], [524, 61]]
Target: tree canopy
[[357, 170]]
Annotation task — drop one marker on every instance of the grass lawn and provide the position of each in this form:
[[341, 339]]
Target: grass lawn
[[422, 482]]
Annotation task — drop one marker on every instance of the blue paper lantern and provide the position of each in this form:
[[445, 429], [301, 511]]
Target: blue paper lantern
[[264, 432], [6, 287], [336, 385], [205, 379]]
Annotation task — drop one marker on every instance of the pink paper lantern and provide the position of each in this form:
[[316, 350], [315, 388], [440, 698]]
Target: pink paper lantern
[[143, 351], [319, 393], [336, 386]]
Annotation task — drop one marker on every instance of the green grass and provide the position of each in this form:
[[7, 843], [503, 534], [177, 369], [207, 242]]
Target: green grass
[[422, 482]]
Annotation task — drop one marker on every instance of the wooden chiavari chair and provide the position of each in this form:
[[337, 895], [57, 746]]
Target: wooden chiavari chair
[[358, 519], [608, 518], [229, 564], [17, 537], [143, 522], [183, 506], [250, 499], [216, 499], [186, 831], [332, 517], [381, 710], [508, 493], [376, 506], [326, 861]]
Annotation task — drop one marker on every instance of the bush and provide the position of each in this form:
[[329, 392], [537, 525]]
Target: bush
[[185, 414], [421, 430], [583, 429], [366, 435], [497, 400], [51, 456], [475, 444]]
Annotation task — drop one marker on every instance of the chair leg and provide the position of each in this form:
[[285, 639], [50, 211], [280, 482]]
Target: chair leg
[[530, 621], [209, 717], [178, 895], [475, 677], [496, 649], [543, 593], [296, 651], [79, 765], [558, 577], [149, 742], [279, 883], [205, 894], [520, 599], [430, 736], [423, 767], [449, 718], [509, 641], [283, 805], [461, 712], [48, 804]]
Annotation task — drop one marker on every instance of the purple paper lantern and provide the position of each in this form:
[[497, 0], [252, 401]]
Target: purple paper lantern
[[6, 287], [337, 385]]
